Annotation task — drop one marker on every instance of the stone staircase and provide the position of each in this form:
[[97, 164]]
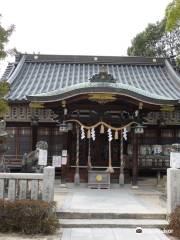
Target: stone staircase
[[111, 220]]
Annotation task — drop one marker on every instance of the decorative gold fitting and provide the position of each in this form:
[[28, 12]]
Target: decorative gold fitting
[[36, 105], [63, 103]]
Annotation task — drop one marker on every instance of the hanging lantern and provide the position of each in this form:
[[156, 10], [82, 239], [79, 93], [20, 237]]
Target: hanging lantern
[[63, 127], [70, 126], [65, 111], [116, 136], [139, 129], [102, 129]]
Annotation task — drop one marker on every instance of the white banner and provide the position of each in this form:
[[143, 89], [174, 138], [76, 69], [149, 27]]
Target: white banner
[[42, 159], [175, 160], [64, 160], [56, 161]]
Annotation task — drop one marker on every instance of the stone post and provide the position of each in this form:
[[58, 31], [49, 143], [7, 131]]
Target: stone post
[[48, 184], [173, 189]]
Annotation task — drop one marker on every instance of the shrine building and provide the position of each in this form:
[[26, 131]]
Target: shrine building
[[114, 114]]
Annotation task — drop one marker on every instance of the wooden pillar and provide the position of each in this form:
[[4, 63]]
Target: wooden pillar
[[76, 176], [34, 136], [64, 167], [121, 175], [135, 161], [34, 125]]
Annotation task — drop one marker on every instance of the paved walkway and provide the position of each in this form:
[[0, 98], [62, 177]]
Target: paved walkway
[[112, 234], [114, 200]]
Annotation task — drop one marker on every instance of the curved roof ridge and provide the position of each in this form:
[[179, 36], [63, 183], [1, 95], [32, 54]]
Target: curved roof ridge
[[17, 70], [99, 84], [172, 72]]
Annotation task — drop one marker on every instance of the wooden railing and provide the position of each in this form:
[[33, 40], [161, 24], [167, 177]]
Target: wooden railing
[[13, 161], [28, 185], [154, 161]]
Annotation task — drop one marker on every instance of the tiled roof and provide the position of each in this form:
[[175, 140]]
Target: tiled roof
[[9, 69], [48, 76]]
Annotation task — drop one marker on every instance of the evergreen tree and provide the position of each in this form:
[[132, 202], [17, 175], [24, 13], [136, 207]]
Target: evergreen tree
[[173, 15], [4, 86], [155, 41]]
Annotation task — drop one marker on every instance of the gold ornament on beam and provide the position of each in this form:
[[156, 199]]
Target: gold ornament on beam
[[36, 105], [167, 108], [102, 98], [102, 129]]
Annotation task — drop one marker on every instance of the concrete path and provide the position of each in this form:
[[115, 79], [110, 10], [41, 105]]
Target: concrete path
[[112, 234], [114, 200]]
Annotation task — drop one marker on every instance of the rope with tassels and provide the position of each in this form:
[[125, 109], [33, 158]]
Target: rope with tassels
[[102, 126]]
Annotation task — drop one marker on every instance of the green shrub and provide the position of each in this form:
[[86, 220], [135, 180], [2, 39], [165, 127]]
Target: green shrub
[[174, 222], [28, 216]]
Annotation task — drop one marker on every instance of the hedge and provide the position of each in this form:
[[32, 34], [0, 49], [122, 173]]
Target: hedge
[[28, 216], [174, 222]]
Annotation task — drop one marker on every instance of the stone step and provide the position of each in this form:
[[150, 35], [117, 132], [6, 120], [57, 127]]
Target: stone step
[[106, 215], [113, 223], [112, 234]]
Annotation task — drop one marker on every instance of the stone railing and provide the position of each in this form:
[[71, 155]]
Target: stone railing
[[28, 185]]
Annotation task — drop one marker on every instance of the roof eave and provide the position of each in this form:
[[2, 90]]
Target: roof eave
[[118, 91]]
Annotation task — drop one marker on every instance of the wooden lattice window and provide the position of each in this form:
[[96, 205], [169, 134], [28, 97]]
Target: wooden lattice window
[[19, 141]]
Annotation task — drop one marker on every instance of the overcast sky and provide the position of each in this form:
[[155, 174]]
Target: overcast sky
[[82, 27]]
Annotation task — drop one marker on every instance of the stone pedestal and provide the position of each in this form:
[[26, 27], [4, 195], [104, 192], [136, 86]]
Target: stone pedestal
[[173, 189]]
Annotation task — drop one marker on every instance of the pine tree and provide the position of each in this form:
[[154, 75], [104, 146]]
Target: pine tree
[[4, 86]]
